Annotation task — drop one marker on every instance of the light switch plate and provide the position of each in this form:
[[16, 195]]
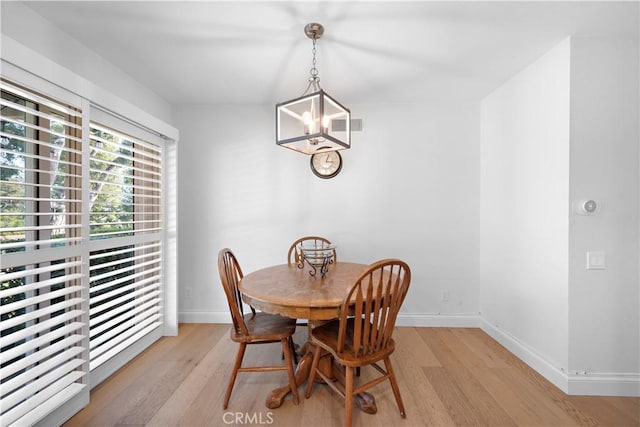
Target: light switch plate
[[597, 260]]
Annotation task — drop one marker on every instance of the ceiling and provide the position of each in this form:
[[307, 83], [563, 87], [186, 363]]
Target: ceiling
[[214, 52]]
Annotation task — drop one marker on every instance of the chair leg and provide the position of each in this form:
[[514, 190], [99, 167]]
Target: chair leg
[[234, 373], [286, 348], [292, 345], [348, 397], [394, 386], [312, 374]]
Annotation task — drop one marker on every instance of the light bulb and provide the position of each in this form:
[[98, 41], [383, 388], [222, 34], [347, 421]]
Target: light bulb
[[325, 124], [307, 120]]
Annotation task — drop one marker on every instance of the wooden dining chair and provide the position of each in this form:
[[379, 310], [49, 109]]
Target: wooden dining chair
[[362, 335], [254, 327], [293, 256]]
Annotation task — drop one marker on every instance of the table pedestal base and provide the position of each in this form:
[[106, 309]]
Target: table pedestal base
[[364, 401]]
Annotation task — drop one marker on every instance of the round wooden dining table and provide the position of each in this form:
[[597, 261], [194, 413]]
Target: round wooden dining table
[[291, 291], [294, 292]]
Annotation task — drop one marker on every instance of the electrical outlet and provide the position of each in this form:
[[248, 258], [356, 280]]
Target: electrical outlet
[[444, 295], [596, 260], [187, 293]]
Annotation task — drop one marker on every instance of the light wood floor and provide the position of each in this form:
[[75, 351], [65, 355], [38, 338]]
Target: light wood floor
[[447, 377]]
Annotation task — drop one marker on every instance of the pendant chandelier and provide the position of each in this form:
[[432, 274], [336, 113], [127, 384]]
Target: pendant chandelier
[[314, 121]]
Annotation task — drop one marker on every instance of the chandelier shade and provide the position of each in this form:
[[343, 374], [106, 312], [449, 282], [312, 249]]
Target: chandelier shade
[[314, 121], [308, 123]]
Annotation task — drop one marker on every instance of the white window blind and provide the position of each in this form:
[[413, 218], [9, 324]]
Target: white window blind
[[126, 235], [43, 343], [81, 251]]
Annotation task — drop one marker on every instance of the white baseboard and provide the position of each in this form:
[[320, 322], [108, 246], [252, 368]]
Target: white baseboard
[[587, 384], [604, 384], [204, 317], [420, 320], [439, 320]]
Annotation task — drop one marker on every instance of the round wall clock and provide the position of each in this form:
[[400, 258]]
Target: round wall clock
[[326, 164]]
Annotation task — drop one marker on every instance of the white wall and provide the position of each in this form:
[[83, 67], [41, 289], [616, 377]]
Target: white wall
[[524, 208], [105, 82], [409, 188], [565, 130], [604, 327]]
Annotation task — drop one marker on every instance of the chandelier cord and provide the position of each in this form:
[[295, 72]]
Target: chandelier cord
[[314, 80]]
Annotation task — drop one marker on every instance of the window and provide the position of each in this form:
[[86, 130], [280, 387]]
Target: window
[[126, 241], [43, 348], [82, 241]]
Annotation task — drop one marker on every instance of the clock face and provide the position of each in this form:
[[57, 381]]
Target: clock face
[[326, 164]]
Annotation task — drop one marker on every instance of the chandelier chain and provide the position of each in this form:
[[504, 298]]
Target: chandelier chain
[[314, 71]]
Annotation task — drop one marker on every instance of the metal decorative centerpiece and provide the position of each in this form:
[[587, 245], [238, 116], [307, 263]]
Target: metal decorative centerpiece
[[318, 255]]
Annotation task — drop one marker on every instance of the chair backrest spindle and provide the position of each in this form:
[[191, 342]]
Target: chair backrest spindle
[[374, 302]]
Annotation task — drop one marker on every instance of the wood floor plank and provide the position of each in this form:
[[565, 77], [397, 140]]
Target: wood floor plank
[[484, 406], [627, 405], [447, 377], [560, 401], [461, 411], [472, 339], [602, 411], [421, 400], [478, 361]]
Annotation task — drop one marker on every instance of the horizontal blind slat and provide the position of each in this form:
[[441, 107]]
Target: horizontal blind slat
[[118, 343], [99, 277], [20, 380], [46, 130], [29, 185], [52, 403], [38, 299], [21, 413], [35, 314], [8, 355], [37, 285], [123, 136], [39, 199], [40, 228], [38, 113], [43, 171], [126, 232], [39, 270], [132, 258], [38, 327], [39, 356], [133, 162], [40, 143], [42, 213], [39, 243], [39, 157], [153, 182], [124, 298], [115, 331], [39, 99], [36, 385], [142, 247], [123, 284], [115, 316]]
